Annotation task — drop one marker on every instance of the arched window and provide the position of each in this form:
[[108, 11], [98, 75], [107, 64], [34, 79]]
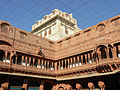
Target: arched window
[[100, 27], [103, 52], [110, 51]]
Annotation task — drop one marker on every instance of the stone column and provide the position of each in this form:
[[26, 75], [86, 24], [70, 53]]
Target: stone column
[[114, 52], [42, 64], [74, 61], [91, 85], [45, 64], [41, 87], [81, 58], [25, 86], [11, 59], [26, 60], [68, 63], [22, 59], [39, 62], [89, 57], [33, 61], [56, 65], [29, 61], [65, 64], [101, 85], [48, 64], [92, 57], [106, 50], [78, 86], [4, 86], [59, 65], [71, 62], [52, 65], [6, 55], [86, 58], [99, 55]]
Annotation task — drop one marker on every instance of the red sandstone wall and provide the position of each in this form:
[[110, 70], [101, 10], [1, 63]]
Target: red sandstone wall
[[103, 33]]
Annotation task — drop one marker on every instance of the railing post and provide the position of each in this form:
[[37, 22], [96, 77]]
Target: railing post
[[78, 60], [91, 85], [26, 60], [45, 64], [74, 61], [71, 62], [86, 58], [59, 65], [65, 64], [68, 63], [55, 65]]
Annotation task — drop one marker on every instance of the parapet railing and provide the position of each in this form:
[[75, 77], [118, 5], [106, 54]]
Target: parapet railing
[[46, 72]]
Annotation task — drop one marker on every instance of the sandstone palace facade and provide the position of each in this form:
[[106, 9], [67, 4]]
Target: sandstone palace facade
[[83, 60]]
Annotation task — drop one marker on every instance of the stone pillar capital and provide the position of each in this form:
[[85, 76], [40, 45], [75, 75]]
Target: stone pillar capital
[[4, 86], [25, 86], [101, 85], [78, 86], [91, 85]]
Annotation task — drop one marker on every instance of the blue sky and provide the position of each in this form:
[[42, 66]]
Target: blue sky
[[24, 13]]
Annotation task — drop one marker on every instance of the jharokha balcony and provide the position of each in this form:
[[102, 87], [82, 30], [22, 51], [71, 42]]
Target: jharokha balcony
[[100, 62]]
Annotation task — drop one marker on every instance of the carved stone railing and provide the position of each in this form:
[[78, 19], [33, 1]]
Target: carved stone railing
[[55, 73]]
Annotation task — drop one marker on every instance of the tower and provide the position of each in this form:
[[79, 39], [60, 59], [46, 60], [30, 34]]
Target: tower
[[55, 26]]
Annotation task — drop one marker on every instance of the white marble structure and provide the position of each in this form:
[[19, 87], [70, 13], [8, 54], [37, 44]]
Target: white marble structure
[[56, 25]]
